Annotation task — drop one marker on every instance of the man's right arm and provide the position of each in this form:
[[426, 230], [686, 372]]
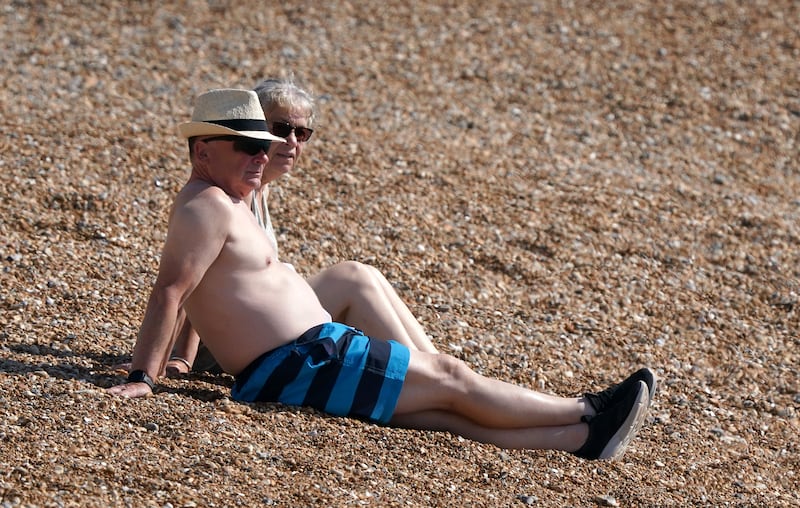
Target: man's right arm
[[197, 232], [153, 341]]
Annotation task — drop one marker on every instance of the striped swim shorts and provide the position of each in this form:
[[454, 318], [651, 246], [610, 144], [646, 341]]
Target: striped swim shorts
[[333, 368]]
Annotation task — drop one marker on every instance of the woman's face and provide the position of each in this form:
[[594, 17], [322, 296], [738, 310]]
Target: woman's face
[[284, 156]]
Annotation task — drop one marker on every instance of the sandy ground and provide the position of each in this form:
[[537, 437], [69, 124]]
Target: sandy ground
[[561, 191]]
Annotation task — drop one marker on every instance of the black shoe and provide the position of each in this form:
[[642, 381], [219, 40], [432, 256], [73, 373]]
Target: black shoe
[[614, 394], [611, 430]]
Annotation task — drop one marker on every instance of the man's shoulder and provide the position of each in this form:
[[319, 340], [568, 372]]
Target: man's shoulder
[[202, 192], [199, 189], [202, 201]]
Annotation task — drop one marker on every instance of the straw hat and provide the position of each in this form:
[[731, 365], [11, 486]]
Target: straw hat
[[228, 111]]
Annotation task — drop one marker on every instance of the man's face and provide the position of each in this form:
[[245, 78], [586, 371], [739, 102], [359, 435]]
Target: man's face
[[233, 163]]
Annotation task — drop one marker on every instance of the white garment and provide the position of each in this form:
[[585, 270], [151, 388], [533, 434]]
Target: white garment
[[263, 218]]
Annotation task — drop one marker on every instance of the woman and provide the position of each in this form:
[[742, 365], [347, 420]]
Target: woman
[[353, 293]]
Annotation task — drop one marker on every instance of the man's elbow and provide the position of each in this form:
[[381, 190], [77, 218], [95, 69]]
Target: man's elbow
[[167, 296]]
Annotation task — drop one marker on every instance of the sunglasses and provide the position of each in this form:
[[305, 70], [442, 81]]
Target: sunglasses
[[284, 129], [249, 146]]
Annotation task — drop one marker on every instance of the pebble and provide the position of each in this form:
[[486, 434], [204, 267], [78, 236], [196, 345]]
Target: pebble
[[606, 501], [550, 191]]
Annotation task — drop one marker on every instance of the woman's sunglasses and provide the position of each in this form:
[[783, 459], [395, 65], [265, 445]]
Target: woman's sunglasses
[[283, 129], [249, 146]]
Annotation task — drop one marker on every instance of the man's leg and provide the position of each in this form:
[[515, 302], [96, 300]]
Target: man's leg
[[567, 438], [441, 393], [360, 296], [413, 328], [445, 383]]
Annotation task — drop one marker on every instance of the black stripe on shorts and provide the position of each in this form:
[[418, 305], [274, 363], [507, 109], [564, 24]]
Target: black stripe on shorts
[[320, 388], [283, 374], [369, 387]]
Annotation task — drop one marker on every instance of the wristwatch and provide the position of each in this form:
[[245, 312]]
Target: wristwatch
[[140, 376]]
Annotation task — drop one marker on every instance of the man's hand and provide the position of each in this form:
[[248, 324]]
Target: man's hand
[[131, 390]]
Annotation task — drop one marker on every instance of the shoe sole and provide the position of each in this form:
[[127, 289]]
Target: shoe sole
[[630, 427], [652, 391]]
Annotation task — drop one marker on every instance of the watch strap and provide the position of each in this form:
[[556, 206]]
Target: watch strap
[[140, 376]]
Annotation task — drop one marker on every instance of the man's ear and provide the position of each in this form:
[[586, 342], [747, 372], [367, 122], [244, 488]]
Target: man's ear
[[200, 150]]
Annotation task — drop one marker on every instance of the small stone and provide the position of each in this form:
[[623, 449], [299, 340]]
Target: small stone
[[606, 501], [528, 500]]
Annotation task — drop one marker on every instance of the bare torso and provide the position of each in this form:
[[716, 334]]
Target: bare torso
[[247, 302]]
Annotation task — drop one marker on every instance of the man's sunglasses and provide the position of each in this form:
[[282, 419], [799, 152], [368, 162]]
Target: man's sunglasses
[[249, 146], [283, 130]]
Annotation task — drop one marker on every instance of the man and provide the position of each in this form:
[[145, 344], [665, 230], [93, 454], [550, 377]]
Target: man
[[264, 324]]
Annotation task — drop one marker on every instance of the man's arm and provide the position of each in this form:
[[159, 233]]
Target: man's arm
[[184, 349], [196, 235]]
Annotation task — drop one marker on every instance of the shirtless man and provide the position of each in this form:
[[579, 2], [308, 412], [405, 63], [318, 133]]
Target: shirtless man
[[265, 325]]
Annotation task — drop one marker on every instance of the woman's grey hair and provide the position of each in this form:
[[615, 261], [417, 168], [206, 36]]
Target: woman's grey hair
[[285, 93]]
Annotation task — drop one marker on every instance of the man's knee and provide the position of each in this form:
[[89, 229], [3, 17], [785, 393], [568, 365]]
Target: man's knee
[[358, 274], [453, 372], [435, 381]]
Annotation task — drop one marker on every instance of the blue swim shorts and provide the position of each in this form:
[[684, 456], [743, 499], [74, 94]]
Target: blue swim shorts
[[333, 368]]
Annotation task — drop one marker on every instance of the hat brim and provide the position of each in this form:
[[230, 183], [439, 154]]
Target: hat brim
[[192, 129]]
